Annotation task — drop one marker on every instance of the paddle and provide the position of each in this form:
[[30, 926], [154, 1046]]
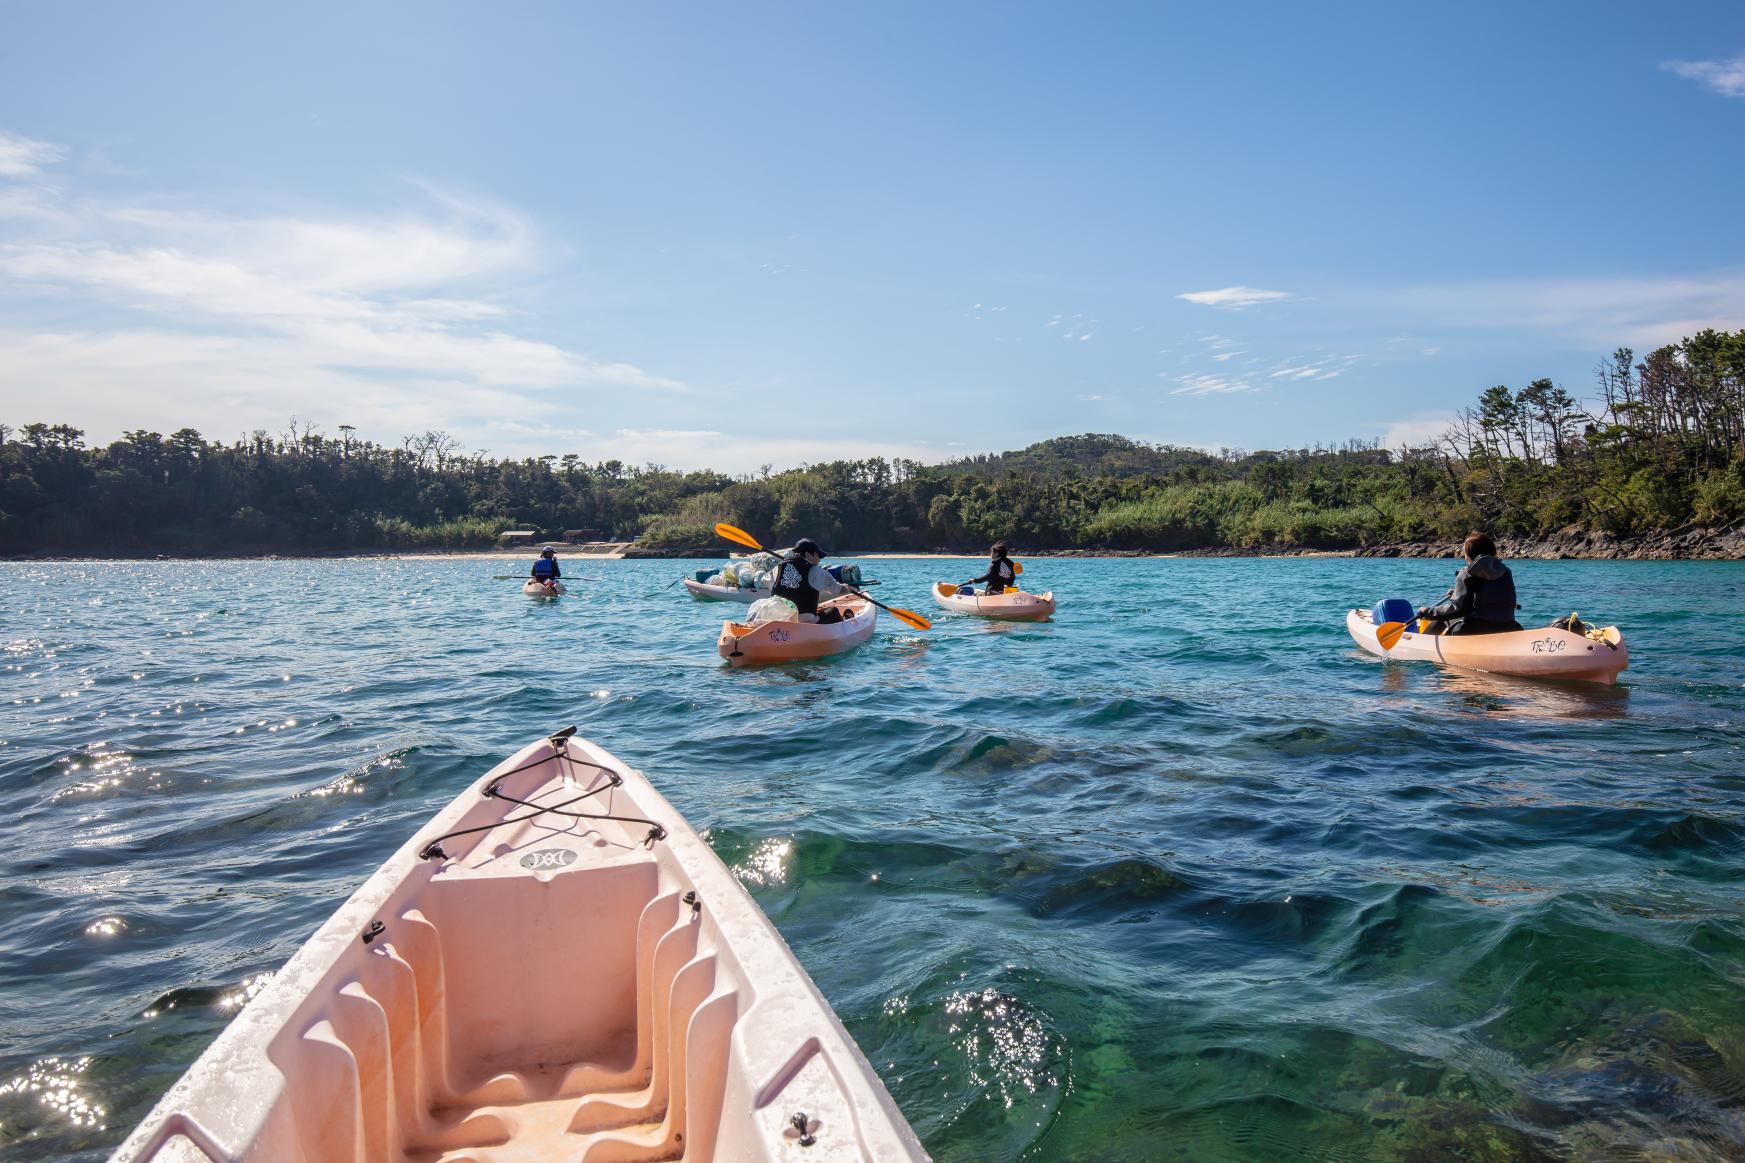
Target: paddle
[[907, 617], [1388, 633]]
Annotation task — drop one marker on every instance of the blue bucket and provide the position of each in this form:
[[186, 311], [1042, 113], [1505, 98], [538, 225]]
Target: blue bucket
[[1392, 610]]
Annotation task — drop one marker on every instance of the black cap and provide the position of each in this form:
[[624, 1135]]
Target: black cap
[[548, 552], [807, 545]]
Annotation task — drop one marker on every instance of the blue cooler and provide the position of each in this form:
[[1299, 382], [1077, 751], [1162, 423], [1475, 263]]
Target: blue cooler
[[1392, 610]]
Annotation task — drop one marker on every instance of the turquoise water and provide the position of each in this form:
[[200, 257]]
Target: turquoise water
[[1179, 875]]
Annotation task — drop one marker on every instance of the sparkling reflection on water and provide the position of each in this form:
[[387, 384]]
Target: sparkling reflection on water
[[1180, 874]]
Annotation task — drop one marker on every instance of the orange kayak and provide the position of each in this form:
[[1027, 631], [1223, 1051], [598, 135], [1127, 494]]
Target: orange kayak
[[1596, 656], [555, 967], [1013, 605], [767, 642]]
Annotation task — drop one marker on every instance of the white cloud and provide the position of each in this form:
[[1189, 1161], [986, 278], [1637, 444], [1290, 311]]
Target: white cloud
[[22, 156], [1724, 77], [1416, 430], [1224, 355], [392, 322], [1201, 385], [1234, 298], [1597, 313]]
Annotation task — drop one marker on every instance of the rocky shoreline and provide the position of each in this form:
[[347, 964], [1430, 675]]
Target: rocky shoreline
[[1691, 543]]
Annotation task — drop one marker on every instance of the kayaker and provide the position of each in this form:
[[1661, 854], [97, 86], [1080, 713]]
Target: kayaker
[[1483, 598], [802, 579], [1001, 575], [545, 567]]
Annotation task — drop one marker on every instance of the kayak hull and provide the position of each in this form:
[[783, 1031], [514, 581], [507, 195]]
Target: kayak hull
[[773, 642], [538, 590], [704, 592], [545, 986], [1011, 606], [1544, 653]]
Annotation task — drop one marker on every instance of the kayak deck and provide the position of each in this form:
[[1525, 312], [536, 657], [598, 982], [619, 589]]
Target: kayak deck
[[763, 643], [1544, 653], [558, 968], [1011, 606]]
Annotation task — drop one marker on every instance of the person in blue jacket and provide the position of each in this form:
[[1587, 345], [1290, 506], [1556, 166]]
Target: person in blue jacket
[[545, 567], [1483, 598]]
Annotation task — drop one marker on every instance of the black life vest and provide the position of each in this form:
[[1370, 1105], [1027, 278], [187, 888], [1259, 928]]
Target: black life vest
[[1001, 575], [1493, 599], [791, 583]]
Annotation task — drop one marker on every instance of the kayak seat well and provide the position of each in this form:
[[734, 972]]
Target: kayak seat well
[[597, 1024]]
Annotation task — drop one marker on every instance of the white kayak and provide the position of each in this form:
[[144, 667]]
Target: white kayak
[[744, 644], [1013, 605], [1595, 656], [534, 589], [705, 592], [555, 967]]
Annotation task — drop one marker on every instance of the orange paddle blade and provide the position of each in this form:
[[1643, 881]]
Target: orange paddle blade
[[947, 589], [735, 533], [911, 618], [1389, 633]]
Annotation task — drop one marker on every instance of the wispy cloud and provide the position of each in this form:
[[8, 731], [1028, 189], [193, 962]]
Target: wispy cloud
[[399, 321], [1204, 385], [1599, 313], [22, 156], [1724, 77], [1234, 298]]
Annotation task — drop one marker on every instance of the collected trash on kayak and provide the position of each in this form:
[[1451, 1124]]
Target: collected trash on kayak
[[539, 589], [743, 581], [554, 967]]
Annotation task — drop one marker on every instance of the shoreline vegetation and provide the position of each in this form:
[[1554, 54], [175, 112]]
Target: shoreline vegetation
[[1654, 468]]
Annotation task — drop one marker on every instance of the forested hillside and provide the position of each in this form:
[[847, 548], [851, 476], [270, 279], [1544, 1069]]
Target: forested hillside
[[1662, 447]]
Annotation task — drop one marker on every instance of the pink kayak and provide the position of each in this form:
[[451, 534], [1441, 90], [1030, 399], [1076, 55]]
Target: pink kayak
[[1596, 656], [555, 967], [535, 589], [767, 642], [1013, 605]]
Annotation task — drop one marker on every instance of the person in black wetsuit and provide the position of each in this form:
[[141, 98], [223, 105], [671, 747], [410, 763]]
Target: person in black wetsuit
[[1483, 598], [545, 570], [802, 579], [1002, 575]]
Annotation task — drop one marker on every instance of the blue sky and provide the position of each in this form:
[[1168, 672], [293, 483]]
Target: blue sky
[[728, 235]]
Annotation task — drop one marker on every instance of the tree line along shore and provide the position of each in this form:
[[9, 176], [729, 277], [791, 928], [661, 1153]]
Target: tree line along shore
[[1654, 466]]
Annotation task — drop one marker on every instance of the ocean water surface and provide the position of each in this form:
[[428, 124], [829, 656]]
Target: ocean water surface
[[1179, 875]]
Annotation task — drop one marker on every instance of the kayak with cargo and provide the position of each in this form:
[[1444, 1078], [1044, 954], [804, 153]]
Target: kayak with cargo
[[554, 967], [752, 644], [1012, 605], [1589, 653], [539, 589], [745, 583]]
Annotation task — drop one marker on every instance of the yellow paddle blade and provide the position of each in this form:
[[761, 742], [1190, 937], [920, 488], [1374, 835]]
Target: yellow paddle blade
[[735, 533], [1389, 633]]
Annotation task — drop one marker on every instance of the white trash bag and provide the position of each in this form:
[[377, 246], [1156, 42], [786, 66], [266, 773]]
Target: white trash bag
[[772, 609], [716, 579]]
